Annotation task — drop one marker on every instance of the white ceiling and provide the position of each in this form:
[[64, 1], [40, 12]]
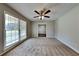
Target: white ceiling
[[57, 9]]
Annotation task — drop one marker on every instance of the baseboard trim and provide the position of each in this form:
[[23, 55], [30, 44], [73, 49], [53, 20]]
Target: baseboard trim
[[77, 51]]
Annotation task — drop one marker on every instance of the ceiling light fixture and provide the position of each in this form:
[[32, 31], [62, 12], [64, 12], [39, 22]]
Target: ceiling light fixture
[[41, 17], [42, 13]]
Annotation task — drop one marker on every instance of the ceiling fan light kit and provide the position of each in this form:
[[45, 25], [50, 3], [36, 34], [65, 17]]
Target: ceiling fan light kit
[[41, 17], [42, 13]]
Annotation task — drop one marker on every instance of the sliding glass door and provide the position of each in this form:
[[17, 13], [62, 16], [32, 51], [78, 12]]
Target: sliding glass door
[[11, 30]]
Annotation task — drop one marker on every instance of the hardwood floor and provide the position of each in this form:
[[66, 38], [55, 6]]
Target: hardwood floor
[[42, 47]]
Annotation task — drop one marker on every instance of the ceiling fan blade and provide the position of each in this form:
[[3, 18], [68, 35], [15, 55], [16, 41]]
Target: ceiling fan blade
[[47, 16], [37, 12], [35, 16], [47, 11]]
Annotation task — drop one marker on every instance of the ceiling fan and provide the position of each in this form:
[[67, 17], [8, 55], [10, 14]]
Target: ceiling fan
[[42, 13]]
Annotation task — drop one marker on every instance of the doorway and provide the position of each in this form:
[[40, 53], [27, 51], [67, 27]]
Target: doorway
[[41, 30]]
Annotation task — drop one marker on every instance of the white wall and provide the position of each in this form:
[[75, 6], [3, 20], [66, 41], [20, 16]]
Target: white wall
[[68, 29], [49, 28]]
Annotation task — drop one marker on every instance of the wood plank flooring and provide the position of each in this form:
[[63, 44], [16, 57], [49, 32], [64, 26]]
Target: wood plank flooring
[[42, 47]]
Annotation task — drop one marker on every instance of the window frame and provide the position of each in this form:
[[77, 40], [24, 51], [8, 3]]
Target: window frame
[[20, 29], [4, 36], [11, 32]]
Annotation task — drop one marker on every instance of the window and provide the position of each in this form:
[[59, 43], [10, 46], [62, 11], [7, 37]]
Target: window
[[22, 29], [15, 30], [11, 29]]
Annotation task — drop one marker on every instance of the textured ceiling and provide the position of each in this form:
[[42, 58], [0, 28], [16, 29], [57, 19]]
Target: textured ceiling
[[57, 9]]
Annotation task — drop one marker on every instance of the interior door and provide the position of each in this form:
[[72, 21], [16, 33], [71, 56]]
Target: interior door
[[41, 30]]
